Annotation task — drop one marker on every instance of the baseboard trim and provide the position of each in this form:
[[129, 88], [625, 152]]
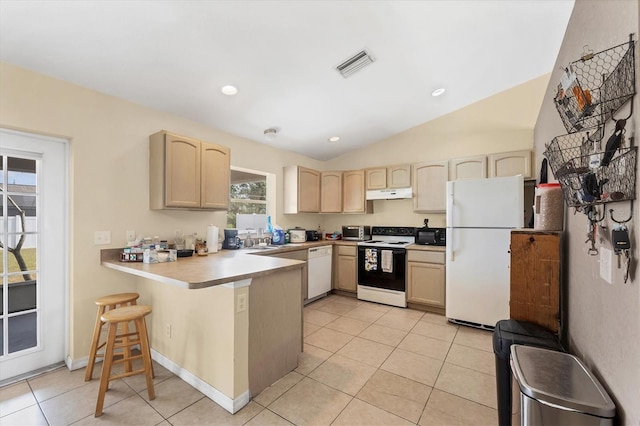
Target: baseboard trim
[[229, 404], [76, 364]]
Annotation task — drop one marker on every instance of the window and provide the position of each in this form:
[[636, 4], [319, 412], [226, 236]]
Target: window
[[249, 202]]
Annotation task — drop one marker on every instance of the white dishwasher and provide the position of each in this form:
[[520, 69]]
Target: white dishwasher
[[319, 271]]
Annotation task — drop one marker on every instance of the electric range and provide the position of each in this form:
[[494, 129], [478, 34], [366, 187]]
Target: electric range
[[382, 264]]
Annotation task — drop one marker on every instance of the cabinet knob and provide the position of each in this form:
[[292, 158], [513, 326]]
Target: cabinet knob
[[532, 240]]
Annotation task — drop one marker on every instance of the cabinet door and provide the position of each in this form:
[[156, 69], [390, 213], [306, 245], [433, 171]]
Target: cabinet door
[[308, 190], [429, 187], [215, 164], [182, 171], [353, 192], [399, 176], [510, 164], [535, 278], [347, 273], [468, 168], [376, 178], [331, 192], [426, 283]]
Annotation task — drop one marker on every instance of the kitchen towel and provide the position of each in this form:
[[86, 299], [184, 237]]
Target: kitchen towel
[[370, 259], [387, 261], [212, 238]]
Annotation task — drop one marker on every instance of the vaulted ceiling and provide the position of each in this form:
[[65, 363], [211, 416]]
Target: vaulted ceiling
[[282, 58]]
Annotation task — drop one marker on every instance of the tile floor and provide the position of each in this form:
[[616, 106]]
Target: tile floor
[[363, 364]]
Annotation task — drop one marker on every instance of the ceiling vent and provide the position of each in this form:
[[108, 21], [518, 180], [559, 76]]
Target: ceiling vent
[[355, 63]]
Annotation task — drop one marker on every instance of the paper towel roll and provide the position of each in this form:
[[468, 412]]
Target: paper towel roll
[[212, 238]]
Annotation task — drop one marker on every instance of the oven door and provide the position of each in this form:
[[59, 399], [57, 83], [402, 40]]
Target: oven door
[[382, 267]]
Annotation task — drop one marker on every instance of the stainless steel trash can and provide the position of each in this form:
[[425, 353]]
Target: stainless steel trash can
[[555, 388]]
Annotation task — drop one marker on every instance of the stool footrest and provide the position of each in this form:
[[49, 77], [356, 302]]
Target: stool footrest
[[123, 360], [127, 374]]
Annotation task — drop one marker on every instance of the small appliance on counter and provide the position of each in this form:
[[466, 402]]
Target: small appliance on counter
[[277, 237], [231, 240], [431, 236], [356, 233], [312, 235], [297, 235]]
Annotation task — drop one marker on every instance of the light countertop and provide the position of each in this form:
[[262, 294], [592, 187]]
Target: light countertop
[[202, 271], [222, 267]]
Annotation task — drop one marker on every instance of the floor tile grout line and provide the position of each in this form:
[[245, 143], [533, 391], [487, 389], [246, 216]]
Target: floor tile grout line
[[38, 403]]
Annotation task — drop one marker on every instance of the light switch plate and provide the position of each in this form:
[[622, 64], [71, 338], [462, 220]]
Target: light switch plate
[[605, 264], [102, 237]]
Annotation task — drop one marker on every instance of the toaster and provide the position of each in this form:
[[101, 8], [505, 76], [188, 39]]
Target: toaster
[[297, 235]]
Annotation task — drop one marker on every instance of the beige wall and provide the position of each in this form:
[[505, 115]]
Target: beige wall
[[109, 176], [207, 337], [603, 318]]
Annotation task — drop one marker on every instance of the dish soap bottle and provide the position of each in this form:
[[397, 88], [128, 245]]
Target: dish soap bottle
[[269, 225]]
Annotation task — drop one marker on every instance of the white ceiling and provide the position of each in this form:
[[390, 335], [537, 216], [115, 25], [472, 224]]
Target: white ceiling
[[175, 56]]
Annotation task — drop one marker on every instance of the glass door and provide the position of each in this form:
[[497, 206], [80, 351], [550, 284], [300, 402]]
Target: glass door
[[32, 266]]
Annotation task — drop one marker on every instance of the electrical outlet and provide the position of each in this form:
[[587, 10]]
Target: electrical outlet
[[102, 237], [168, 331], [605, 264], [241, 303], [131, 236]]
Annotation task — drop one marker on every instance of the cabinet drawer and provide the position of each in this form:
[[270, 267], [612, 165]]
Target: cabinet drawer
[[347, 251], [425, 256]]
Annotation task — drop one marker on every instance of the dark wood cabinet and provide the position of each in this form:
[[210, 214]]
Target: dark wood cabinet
[[536, 277]]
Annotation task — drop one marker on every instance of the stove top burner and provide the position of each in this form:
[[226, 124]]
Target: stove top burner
[[390, 236]]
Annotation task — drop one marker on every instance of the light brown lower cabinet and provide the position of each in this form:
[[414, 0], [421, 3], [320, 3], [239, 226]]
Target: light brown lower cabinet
[[426, 278], [346, 272]]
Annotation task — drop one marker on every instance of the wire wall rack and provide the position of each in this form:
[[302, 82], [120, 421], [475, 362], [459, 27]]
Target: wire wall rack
[[595, 86], [576, 161]]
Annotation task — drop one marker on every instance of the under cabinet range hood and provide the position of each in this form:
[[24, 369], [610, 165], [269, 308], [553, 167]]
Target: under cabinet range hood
[[389, 194]]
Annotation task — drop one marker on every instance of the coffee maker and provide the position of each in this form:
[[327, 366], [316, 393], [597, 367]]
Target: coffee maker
[[231, 240]]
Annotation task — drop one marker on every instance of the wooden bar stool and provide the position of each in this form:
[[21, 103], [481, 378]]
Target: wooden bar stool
[[113, 318], [105, 303]]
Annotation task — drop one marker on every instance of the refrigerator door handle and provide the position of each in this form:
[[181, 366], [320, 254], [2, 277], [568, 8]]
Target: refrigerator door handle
[[450, 250]]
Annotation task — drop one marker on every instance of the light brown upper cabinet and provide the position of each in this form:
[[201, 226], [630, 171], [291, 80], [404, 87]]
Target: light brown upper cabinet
[[429, 186], [331, 192], [354, 193], [399, 176], [376, 178], [510, 164], [301, 190], [187, 173], [468, 168], [389, 177]]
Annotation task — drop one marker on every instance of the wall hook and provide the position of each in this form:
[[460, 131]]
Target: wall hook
[[622, 221]]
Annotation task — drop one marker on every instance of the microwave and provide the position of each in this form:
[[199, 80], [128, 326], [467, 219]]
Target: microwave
[[356, 233], [431, 236]]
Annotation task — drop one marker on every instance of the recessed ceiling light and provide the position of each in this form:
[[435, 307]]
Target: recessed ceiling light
[[334, 138], [438, 91], [229, 90]]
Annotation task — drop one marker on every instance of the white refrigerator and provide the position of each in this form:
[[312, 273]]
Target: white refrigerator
[[480, 216]]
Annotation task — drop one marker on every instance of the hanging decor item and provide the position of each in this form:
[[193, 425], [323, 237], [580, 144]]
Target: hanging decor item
[[595, 86], [591, 91]]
